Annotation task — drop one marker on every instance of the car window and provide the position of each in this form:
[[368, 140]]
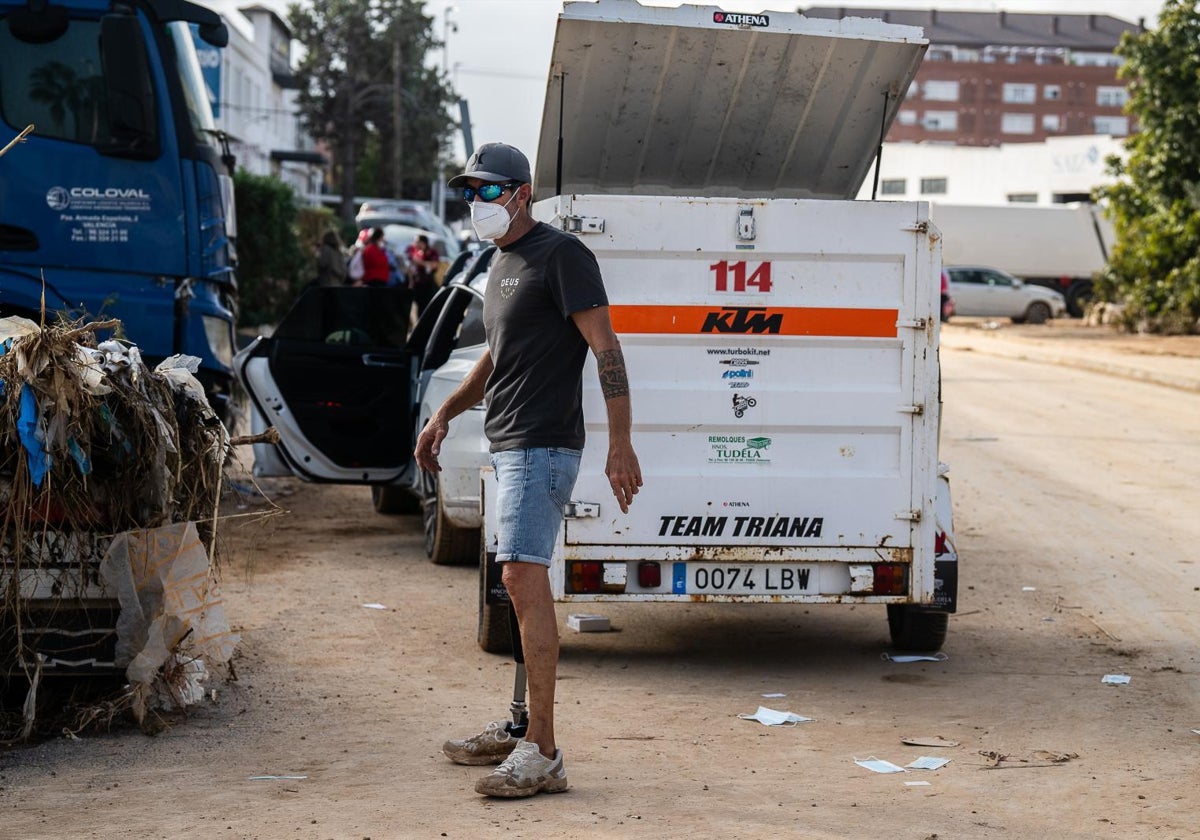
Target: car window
[[966, 276], [445, 336], [995, 278], [471, 331], [340, 315]]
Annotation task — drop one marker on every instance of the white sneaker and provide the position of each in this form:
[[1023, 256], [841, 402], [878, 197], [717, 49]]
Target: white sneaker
[[491, 746], [525, 773]]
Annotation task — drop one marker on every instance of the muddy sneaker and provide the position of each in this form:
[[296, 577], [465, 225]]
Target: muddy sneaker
[[525, 773], [491, 746]]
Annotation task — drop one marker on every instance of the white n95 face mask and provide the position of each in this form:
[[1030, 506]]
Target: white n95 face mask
[[491, 220]]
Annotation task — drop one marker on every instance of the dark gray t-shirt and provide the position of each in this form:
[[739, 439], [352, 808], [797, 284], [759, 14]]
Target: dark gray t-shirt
[[535, 392]]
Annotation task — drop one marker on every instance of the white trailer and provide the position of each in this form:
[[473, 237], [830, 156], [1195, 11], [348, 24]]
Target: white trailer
[[781, 339], [1060, 247]]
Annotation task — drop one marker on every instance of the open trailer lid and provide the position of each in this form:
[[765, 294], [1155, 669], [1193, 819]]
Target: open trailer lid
[[696, 101]]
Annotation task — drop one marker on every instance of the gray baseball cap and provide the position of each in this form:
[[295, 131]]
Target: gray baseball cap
[[495, 162]]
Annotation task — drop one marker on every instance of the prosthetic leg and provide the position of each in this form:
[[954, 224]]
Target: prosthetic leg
[[520, 712]]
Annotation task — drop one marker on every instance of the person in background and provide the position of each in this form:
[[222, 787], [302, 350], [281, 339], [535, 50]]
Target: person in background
[[331, 261], [376, 271], [422, 267]]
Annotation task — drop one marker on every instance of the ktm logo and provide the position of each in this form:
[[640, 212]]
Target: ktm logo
[[743, 319]]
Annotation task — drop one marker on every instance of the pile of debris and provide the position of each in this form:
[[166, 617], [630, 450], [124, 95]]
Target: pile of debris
[[110, 474]]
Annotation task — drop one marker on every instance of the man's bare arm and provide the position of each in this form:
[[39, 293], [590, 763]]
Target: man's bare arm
[[467, 394], [622, 468]]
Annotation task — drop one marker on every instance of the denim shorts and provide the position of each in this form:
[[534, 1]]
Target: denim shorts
[[533, 486]]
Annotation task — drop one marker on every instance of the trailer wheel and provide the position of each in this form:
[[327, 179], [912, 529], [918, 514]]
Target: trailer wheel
[[445, 543], [494, 635], [394, 500], [917, 629]]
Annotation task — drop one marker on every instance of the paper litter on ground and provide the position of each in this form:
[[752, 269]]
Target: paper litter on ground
[[1115, 679], [374, 606], [878, 765], [582, 623], [275, 778], [928, 762], [916, 784], [773, 717], [775, 694], [914, 657], [1029, 589]]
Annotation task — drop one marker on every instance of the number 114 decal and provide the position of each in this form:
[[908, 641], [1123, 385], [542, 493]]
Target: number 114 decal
[[734, 274]]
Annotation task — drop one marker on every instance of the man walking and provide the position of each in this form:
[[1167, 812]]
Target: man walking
[[545, 306]]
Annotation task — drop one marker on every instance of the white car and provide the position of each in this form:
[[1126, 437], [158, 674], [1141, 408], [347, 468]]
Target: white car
[[348, 392], [992, 293]]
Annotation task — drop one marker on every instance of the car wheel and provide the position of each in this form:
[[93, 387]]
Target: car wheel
[[1038, 312], [445, 543], [394, 500], [917, 629]]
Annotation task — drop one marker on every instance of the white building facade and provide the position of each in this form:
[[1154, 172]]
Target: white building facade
[[1058, 171], [254, 94]]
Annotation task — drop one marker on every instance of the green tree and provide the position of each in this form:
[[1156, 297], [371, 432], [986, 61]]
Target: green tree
[[1154, 268], [270, 259], [348, 89]]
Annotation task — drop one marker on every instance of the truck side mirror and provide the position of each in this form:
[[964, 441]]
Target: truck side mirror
[[129, 90], [216, 34], [38, 23]]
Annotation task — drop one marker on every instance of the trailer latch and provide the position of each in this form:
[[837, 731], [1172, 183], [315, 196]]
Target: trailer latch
[[745, 224], [581, 510], [912, 409], [583, 224], [909, 515], [913, 323]]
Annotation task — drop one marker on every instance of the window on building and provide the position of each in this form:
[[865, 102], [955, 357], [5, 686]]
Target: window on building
[[1089, 59], [941, 91], [1051, 92], [907, 118], [1020, 93], [1016, 124], [1022, 198], [1111, 96], [893, 186], [933, 186], [940, 120], [1116, 126], [1051, 122]]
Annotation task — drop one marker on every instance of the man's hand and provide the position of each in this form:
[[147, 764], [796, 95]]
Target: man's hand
[[624, 473], [429, 444]]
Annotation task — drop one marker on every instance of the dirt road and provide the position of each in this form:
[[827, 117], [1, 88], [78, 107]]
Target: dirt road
[[1075, 500]]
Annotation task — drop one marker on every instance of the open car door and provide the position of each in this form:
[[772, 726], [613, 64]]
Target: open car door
[[336, 381]]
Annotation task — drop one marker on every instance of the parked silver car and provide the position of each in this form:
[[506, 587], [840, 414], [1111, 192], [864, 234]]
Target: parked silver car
[[992, 293]]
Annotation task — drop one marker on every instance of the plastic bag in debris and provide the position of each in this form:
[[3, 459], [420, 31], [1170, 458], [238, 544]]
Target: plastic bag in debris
[[163, 580]]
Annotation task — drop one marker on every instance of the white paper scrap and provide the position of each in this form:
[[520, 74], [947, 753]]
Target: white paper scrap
[[276, 778], [1029, 589], [1115, 679], [879, 765], [1197, 731], [775, 694], [916, 784], [928, 762], [915, 657], [771, 717], [374, 606]]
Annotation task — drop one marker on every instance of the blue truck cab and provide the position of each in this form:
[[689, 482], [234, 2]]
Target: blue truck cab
[[119, 204]]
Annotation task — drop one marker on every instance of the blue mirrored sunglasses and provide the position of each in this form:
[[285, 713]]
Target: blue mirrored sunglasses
[[488, 192]]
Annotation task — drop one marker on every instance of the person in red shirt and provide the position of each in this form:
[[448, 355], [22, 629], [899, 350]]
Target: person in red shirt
[[375, 262], [423, 263]]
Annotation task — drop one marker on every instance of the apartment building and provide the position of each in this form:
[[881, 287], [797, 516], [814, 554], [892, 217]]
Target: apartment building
[[992, 78]]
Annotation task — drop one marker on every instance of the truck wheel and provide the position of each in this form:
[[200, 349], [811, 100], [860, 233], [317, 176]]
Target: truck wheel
[[494, 635], [445, 544], [394, 500], [917, 629], [1037, 313]]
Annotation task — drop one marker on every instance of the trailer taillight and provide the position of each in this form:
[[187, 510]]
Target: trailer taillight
[[584, 576], [890, 579], [649, 575]]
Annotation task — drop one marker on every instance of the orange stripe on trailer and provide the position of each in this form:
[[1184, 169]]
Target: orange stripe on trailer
[[755, 320]]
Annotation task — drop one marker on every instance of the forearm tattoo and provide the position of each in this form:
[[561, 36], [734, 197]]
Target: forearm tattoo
[[614, 382]]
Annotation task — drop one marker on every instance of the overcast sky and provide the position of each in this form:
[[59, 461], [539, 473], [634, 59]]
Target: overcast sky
[[499, 55]]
